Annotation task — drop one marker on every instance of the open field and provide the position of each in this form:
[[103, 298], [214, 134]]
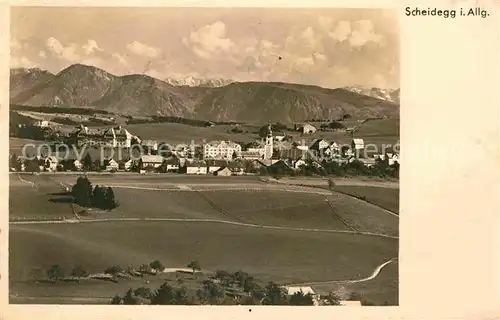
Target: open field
[[387, 198], [286, 254], [277, 255], [42, 200]]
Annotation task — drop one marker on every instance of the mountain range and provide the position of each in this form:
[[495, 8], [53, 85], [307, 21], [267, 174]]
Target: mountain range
[[222, 100]]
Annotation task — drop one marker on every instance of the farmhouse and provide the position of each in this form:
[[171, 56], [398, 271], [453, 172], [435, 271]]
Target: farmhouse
[[214, 165], [172, 164], [71, 164], [51, 163], [41, 124], [223, 172], [196, 167], [150, 162], [110, 165], [126, 164], [319, 144], [305, 128]]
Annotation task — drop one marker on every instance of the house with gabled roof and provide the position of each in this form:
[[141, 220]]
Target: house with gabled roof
[[150, 162], [196, 167]]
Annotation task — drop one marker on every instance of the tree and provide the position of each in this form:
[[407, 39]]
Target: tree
[[194, 265], [117, 300], [129, 298], [87, 163], [110, 202], [32, 166], [274, 295], [164, 295], [82, 192], [55, 273], [211, 293], [78, 271], [331, 184], [332, 299], [14, 162], [157, 265], [301, 299], [143, 292], [113, 270], [99, 197]]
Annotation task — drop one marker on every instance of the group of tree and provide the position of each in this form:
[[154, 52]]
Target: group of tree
[[334, 125], [380, 169], [87, 196], [55, 273]]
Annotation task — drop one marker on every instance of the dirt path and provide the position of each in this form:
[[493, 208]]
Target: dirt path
[[374, 274]]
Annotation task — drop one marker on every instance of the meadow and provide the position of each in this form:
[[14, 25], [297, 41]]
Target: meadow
[[284, 255]]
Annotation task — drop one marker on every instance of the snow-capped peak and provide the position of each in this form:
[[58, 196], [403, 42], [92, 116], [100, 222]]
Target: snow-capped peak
[[391, 95], [198, 82]]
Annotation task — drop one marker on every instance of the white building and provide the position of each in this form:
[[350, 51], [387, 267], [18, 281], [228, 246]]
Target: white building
[[306, 128], [196, 167], [221, 150], [41, 124]]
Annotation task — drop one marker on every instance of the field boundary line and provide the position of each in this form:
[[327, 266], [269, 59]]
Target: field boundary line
[[33, 185], [343, 193], [242, 224]]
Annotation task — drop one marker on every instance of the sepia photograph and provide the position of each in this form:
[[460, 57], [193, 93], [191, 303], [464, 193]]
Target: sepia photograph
[[204, 156]]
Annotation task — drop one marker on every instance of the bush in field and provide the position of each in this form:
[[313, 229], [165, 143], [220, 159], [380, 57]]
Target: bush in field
[[301, 299], [117, 300], [55, 273], [194, 265], [274, 295], [113, 270], [78, 271], [143, 293], [156, 265]]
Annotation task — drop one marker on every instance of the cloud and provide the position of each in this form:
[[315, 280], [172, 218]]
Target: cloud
[[21, 62], [90, 47], [121, 59], [143, 50], [363, 32], [341, 32], [210, 41], [15, 45], [357, 33], [67, 53], [42, 54]]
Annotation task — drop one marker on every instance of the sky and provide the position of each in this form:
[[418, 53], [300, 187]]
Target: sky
[[329, 47]]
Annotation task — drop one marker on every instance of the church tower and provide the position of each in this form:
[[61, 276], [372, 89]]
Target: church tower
[[268, 148]]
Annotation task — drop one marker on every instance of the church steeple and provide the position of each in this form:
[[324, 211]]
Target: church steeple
[[268, 148]]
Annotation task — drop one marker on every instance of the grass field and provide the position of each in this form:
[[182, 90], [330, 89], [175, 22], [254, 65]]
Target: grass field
[[281, 255], [387, 198], [40, 201], [268, 254]]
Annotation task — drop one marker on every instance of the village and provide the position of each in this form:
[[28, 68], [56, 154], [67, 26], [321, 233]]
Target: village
[[115, 149]]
